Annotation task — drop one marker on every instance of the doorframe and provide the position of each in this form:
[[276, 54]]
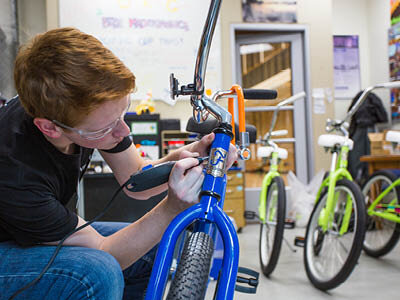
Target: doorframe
[[285, 29]]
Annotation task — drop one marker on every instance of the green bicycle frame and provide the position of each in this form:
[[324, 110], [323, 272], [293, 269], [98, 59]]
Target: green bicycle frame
[[273, 172], [338, 171], [389, 208]]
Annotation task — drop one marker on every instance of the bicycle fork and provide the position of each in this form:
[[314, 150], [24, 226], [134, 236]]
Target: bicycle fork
[[338, 170]]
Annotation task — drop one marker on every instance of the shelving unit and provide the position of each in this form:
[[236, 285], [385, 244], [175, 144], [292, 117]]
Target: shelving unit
[[173, 139], [145, 132]]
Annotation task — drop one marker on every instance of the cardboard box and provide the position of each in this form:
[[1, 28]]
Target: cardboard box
[[376, 143], [379, 146], [390, 148]]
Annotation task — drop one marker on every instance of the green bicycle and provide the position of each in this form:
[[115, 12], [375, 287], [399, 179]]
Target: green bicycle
[[336, 227], [382, 191], [272, 203]]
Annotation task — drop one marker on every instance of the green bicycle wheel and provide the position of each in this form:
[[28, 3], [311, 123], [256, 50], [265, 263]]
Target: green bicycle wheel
[[330, 256], [271, 231], [381, 234]]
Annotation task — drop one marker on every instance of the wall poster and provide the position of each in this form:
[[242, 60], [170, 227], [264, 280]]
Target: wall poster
[[346, 66], [394, 70], [269, 11], [394, 11]]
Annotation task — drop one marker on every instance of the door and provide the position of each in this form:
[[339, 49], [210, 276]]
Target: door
[[275, 60]]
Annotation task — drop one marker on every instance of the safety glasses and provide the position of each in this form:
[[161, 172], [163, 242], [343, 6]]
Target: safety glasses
[[98, 134]]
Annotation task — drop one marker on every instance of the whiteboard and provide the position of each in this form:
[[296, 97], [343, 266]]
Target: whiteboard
[[152, 37]]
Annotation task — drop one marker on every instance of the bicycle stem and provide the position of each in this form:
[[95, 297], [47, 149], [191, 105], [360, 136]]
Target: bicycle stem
[[219, 112], [228, 116]]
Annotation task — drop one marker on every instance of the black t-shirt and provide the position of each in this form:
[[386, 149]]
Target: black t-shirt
[[36, 181]]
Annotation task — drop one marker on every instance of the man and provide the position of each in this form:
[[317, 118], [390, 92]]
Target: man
[[72, 97]]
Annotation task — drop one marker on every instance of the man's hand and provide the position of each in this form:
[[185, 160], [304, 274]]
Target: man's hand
[[202, 147], [185, 182]]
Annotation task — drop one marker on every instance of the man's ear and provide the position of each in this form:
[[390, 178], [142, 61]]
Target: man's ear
[[47, 127]]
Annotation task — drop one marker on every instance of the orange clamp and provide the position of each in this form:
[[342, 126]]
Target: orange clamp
[[237, 89]]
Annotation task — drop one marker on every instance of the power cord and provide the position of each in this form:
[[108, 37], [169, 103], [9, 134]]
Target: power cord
[[60, 243], [148, 177]]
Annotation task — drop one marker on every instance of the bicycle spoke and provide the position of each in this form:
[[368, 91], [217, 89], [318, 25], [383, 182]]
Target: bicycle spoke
[[330, 257], [381, 234]]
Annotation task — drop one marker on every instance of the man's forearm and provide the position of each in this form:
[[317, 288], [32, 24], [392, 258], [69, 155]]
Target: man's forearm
[[135, 240]]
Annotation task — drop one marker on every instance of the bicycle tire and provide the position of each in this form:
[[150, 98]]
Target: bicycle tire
[[191, 277], [271, 231], [379, 230], [322, 271]]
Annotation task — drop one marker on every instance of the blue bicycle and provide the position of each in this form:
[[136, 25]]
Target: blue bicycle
[[207, 218]]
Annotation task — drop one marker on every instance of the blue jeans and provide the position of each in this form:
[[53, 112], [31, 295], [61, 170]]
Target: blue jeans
[[76, 273]]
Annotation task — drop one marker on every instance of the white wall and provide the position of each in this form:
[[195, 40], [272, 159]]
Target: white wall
[[379, 16], [370, 20], [8, 47], [317, 15], [31, 18], [379, 24]]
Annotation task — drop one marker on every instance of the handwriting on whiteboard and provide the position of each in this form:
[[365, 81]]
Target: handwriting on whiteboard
[[135, 23]]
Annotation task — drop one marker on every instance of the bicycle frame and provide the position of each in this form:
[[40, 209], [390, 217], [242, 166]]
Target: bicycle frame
[[207, 217], [338, 171], [389, 208], [273, 170]]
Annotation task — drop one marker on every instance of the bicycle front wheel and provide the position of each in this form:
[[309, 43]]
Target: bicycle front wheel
[[381, 234], [191, 277], [271, 230], [330, 256]]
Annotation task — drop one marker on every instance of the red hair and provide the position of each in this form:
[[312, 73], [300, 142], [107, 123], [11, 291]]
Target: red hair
[[64, 74]]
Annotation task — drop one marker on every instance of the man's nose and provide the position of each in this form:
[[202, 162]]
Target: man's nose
[[122, 129]]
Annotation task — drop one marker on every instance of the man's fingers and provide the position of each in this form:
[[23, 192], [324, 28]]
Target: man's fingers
[[192, 175], [233, 156], [193, 181], [186, 154], [196, 188], [208, 139], [181, 166]]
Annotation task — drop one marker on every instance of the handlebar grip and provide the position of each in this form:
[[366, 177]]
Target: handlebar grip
[[258, 94], [389, 85]]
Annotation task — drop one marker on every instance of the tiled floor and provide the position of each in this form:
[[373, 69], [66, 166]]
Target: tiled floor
[[374, 279]]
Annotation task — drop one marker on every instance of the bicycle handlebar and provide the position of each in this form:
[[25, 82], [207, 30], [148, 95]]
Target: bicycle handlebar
[[259, 94], [287, 101], [203, 52], [388, 85], [366, 92], [202, 105], [342, 125]]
